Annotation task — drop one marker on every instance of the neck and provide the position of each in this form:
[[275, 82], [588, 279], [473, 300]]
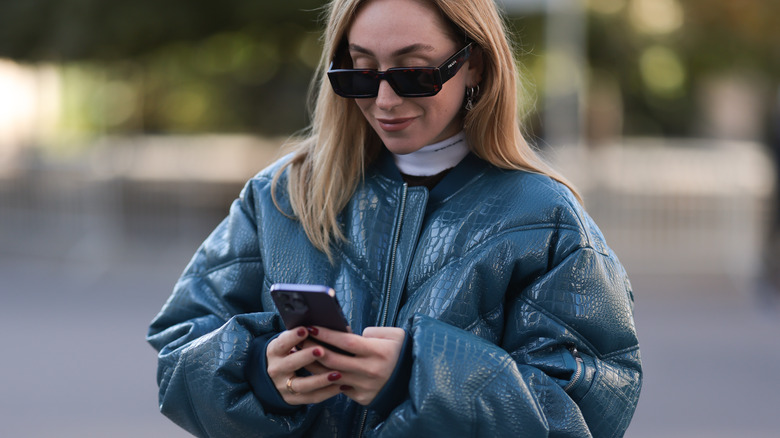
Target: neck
[[434, 158]]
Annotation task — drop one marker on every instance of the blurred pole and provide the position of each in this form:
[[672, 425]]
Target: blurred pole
[[772, 250], [775, 148], [565, 69], [565, 63]]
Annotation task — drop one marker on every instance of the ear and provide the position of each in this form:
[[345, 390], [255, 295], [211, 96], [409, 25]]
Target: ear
[[476, 66]]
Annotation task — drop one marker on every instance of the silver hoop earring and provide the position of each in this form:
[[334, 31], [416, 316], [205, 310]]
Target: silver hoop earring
[[471, 97]]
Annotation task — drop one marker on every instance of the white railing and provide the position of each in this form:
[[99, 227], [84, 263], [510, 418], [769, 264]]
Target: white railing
[[683, 206], [678, 206]]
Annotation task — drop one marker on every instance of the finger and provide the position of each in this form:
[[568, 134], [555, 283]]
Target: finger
[[335, 361], [314, 383], [375, 366], [308, 343], [286, 341], [280, 368], [311, 386], [293, 362], [346, 341], [303, 394], [314, 367], [317, 368], [323, 394]]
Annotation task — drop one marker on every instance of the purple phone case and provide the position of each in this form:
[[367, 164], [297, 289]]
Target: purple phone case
[[308, 305]]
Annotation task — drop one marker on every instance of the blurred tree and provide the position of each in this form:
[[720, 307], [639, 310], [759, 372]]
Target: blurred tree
[[658, 51], [244, 65], [174, 65], [729, 33], [67, 30]]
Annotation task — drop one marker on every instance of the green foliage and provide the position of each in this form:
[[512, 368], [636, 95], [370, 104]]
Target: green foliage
[[245, 65], [172, 65], [67, 30], [658, 58]]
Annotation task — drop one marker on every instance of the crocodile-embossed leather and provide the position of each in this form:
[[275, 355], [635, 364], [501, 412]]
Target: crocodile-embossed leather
[[520, 316]]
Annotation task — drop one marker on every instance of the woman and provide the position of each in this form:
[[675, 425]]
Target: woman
[[483, 300]]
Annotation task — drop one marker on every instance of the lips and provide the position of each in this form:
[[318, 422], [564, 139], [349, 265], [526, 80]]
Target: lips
[[397, 124]]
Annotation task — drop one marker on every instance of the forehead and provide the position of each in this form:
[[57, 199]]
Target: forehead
[[388, 24]]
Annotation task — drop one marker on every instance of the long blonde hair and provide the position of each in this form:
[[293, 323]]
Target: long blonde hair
[[330, 160]]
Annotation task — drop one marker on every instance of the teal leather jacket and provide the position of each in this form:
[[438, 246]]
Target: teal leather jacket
[[518, 316]]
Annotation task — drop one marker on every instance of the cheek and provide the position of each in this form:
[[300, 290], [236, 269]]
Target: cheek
[[448, 105]]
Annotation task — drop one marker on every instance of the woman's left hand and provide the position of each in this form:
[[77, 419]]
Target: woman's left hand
[[376, 354]]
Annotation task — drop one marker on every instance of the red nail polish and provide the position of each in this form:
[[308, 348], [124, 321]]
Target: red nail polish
[[345, 387], [313, 330], [301, 332], [317, 352], [334, 376]]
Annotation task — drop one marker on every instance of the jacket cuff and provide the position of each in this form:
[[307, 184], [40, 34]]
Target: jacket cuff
[[257, 375], [397, 387]]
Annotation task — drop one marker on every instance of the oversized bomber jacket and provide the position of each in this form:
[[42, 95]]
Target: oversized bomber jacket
[[518, 316]]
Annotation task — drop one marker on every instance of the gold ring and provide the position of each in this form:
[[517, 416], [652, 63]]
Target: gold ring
[[289, 386]]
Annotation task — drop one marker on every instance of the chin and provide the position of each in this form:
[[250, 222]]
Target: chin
[[402, 143], [400, 146]]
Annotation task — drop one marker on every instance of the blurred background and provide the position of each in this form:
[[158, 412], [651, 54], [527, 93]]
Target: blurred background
[[128, 127]]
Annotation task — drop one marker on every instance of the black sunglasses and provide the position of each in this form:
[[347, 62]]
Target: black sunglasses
[[405, 81]]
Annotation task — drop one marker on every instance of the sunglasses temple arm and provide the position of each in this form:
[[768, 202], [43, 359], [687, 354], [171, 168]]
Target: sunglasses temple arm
[[451, 67]]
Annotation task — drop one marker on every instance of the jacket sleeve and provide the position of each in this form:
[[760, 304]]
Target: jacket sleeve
[[204, 334], [568, 364]]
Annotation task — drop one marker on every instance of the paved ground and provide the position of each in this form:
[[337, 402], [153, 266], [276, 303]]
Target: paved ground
[[710, 349], [73, 315], [75, 363]]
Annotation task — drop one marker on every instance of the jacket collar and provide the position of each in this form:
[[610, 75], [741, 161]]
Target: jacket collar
[[464, 172]]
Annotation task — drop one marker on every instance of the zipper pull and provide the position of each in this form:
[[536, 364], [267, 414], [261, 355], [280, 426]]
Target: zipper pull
[[575, 353], [579, 369]]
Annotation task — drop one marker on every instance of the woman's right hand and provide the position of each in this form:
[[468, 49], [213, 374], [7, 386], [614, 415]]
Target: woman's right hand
[[284, 359]]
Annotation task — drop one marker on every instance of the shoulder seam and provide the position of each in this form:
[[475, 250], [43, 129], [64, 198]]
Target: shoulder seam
[[576, 210]]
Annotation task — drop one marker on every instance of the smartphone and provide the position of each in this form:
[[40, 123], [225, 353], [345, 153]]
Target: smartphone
[[310, 305]]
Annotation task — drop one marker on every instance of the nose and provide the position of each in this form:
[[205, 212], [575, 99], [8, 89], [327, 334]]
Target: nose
[[386, 97]]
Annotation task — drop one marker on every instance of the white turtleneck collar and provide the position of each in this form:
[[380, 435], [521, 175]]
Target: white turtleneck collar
[[434, 158]]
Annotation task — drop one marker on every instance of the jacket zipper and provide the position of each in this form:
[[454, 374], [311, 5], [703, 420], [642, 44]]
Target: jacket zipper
[[391, 269], [388, 289], [577, 372]]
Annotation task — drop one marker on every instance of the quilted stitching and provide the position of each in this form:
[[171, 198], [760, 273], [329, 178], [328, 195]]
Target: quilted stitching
[[493, 280]]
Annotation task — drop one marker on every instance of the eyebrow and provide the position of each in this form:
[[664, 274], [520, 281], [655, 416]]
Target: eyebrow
[[419, 47]]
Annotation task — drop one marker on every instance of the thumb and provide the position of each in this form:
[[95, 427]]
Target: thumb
[[390, 333]]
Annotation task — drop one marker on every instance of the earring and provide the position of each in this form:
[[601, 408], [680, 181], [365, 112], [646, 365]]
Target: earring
[[471, 97]]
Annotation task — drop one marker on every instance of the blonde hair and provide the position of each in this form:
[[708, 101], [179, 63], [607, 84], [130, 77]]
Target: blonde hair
[[330, 161]]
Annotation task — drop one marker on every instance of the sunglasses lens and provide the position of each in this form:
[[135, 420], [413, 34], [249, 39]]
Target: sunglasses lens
[[407, 82], [414, 82], [354, 83]]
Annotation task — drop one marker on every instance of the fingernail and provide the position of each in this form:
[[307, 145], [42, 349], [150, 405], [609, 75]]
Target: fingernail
[[334, 376], [317, 352], [301, 332], [345, 387], [313, 330]]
